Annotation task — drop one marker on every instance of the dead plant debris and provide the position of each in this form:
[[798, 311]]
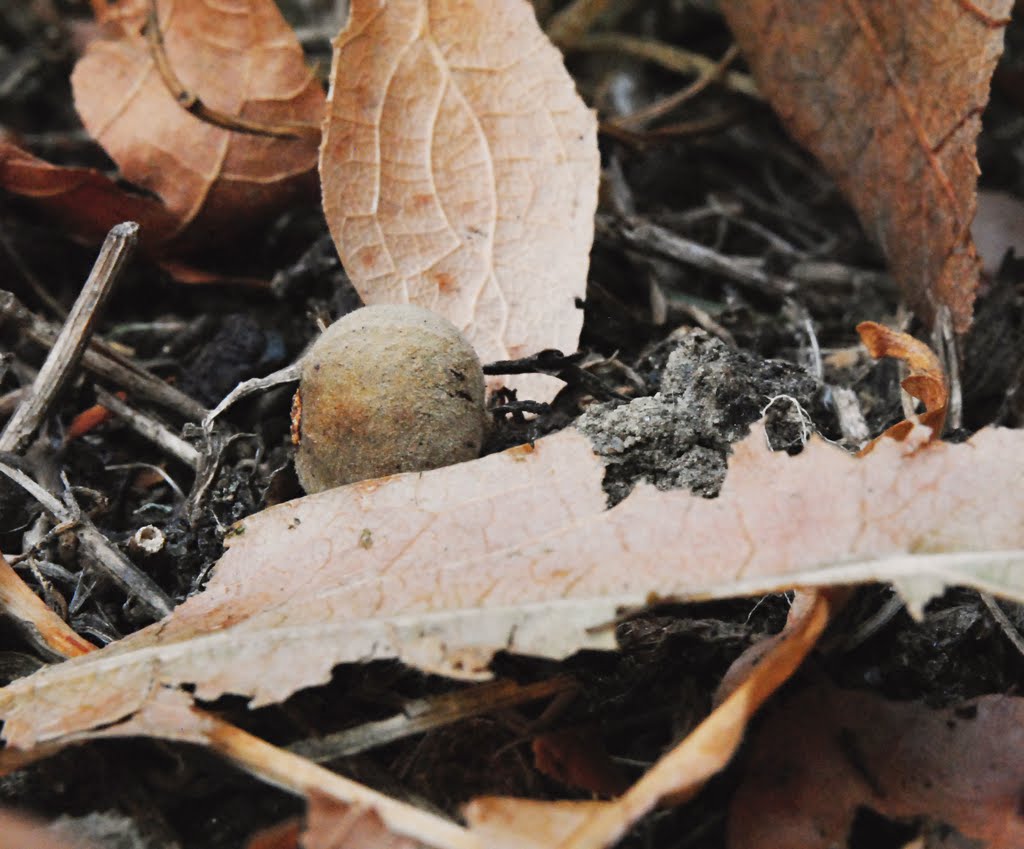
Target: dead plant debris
[[669, 520]]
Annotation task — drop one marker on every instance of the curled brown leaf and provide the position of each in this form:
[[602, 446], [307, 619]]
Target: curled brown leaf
[[926, 381], [243, 60]]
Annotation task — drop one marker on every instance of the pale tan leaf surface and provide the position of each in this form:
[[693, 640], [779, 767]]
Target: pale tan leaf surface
[[962, 765], [460, 171], [889, 97], [21, 832], [242, 59], [515, 551], [505, 823], [331, 824]]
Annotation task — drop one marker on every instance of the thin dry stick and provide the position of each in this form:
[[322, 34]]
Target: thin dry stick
[[34, 283], [428, 714], [149, 428], [833, 274], [67, 351], [669, 56], [9, 401], [114, 565], [104, 362], [299, 775], [268, 763], [191, 102], [637, 119], [695, 127], [1008, 628], [289, 374], [638, 233], [852, 424], [945, 344], [44, 628], [571, 23]]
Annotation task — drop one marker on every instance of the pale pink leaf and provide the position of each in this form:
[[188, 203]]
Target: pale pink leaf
[[517, 551]]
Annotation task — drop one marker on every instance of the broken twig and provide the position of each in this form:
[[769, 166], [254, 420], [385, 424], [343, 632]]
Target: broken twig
[[639, 234], [149, 428], [112, 562], [421, 715], [103, 361], [289, 374], [67, 351]]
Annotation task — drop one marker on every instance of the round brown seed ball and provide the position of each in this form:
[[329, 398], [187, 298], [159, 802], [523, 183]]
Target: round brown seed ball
[[387, 389]]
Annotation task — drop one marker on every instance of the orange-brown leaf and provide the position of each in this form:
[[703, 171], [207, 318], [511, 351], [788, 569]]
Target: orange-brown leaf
[[283, 835], [926, 381], [578, 758], [889, 97], [84, 200], [961, 765], [460, 171], [242, 59]]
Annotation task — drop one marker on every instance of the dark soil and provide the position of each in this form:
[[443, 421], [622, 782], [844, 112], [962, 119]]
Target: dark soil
[[675, 364]]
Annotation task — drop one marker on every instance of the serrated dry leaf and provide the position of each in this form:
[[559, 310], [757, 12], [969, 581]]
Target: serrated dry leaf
[[962, 765], [505, 823], [84, 200], [460, 171], [515, 551], [242, 59], [889, 97]]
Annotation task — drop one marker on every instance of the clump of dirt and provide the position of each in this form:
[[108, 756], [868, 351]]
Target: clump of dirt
[[710, 395]]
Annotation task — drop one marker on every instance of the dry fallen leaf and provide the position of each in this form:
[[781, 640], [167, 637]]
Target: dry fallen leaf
[[577, 758], [889, 97], [676, 777], [826, 752], [926, 381], [170, 715], [460, 172], [516, 551], [84, 200], [331, 824], [283, 835], [242, 59]]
